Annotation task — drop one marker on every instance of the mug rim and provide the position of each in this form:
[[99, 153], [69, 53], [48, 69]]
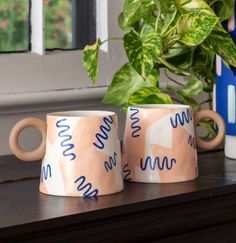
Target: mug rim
[[161, 106], [82, 113]]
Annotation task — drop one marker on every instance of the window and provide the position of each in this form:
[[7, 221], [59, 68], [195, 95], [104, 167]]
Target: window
[[14, 25], [58, 24], [68, 24], [42, 76]]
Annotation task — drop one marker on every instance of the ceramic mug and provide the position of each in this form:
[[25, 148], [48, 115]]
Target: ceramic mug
[[160, 143], [80, 150]]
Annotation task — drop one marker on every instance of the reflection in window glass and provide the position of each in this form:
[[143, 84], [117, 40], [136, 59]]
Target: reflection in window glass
[[58, 24], [14, 25]]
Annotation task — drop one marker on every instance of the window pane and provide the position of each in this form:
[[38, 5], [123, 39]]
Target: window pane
[[69, 24], [58, 24], [14, 25]]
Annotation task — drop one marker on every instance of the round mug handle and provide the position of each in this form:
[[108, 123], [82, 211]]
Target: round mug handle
[[14, 136], [221, 129]]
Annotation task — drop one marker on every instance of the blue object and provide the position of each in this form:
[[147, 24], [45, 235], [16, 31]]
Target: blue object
[[226, 85]]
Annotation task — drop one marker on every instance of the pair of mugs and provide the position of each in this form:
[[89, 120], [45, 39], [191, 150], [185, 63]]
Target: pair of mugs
[[82, 156]]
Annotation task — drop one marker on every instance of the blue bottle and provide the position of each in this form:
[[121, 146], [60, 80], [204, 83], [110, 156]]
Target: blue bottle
[[225, 94]]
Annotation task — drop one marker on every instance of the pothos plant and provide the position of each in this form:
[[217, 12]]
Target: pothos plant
[[180, 37]]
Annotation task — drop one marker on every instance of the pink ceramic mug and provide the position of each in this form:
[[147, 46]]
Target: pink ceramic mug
[[160, 143], [80, 151]]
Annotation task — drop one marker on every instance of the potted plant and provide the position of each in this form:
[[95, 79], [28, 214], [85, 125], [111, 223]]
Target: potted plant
[[180, 36]]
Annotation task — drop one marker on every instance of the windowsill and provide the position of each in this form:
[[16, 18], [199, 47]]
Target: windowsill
[[48, 100], [204, 208]]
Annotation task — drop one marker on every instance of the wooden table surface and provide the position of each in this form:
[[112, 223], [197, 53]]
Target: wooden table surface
[[203, 210]]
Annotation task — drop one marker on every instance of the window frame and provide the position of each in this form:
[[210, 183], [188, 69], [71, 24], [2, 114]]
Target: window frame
[[31, 80]]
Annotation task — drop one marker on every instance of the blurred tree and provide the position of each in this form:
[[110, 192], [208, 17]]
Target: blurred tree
[[58, 24], [14, 24]]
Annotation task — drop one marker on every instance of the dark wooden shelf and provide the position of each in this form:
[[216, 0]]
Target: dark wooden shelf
[[203, 210]]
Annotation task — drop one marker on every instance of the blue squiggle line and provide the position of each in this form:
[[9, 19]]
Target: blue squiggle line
[[184, 117], [112, 162], [135, 120], [86, 187], [66, 138], [104, 132], [192, 141], [126, 172], [46, 172], [161, 164]]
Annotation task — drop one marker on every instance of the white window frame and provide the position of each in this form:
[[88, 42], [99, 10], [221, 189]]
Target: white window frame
[[39, 78]]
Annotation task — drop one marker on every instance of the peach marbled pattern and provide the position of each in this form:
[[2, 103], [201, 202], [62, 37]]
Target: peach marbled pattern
[[160, 153], [78, 169]]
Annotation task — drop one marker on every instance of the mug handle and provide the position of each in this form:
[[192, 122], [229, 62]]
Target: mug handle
[[14, 136], [207, 145]]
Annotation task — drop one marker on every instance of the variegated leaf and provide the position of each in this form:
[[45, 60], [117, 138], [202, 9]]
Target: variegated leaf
[[148, 95], [192, 88], [223, 8], [220, 42], [142, 52], [134, 10], [90, 56], [125, 82], [193, 28], [197, 6]]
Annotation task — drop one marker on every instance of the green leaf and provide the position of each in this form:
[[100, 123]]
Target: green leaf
[[184, 99], [220, 42], [122, 25], [146, 29], [193, 28], [125, 82], [90, 56], [148, 95], [193, 87], [223, 8], [203, 64], [178, 49], [154, 77], [167, 10], [134, 10], [197, 6], [158, 4], [192, 102], [142, 52], [121, 21], [149, 25], [210, 126]]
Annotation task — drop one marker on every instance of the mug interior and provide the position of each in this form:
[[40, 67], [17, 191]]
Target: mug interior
[[81, 113], [161, 106]]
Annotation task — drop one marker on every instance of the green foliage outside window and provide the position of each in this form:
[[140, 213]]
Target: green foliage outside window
[[14, 24], [58, 24]]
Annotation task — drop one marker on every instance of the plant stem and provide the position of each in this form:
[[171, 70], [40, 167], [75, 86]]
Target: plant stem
[[173, 80], [172, 67], [168, 25], [210, 4], [205, 101], [207, 81], [169, 31], [210, 101], [173, 41], [175, 99], [112, 38], [157, 20]]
